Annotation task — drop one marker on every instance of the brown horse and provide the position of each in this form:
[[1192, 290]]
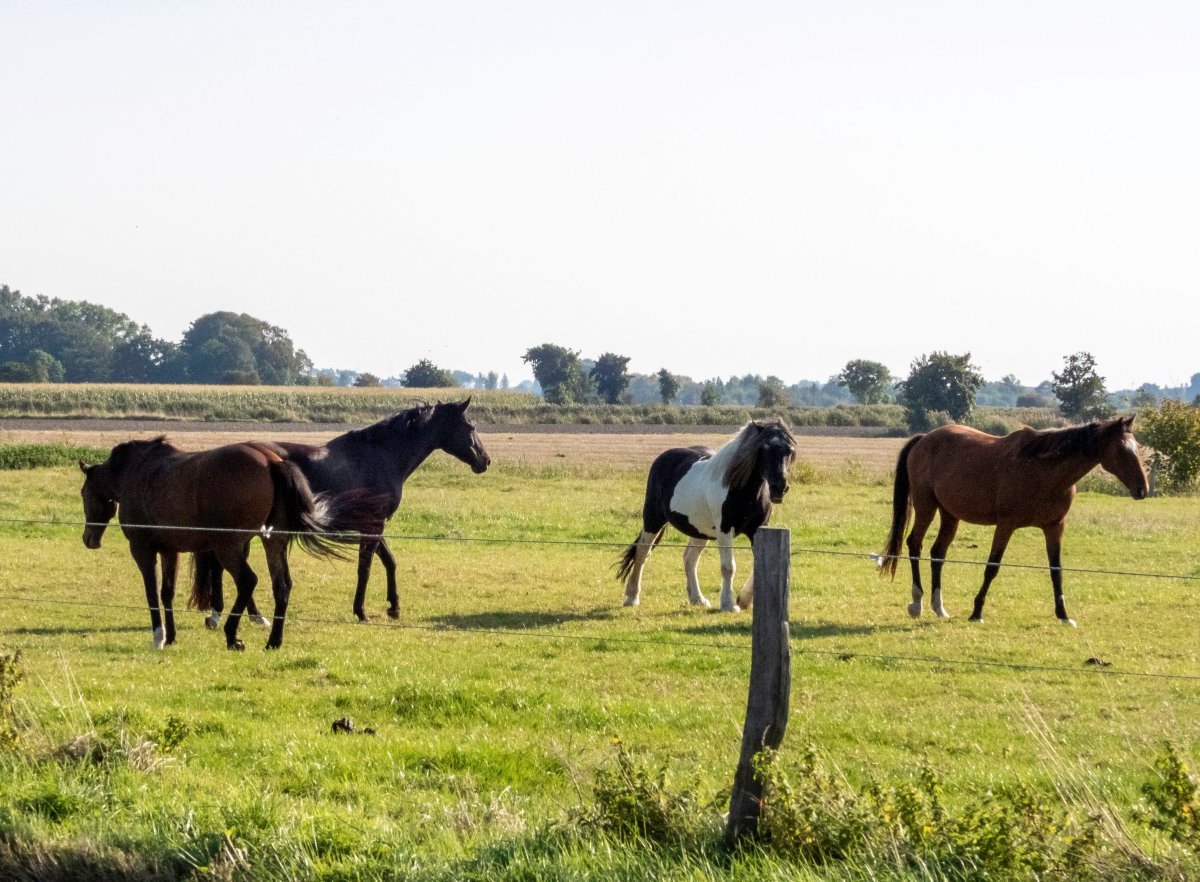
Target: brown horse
[[171, 501], [1025, 479]]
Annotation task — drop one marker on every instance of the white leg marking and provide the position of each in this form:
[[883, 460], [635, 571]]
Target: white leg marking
[[935, 604], [633, 585], [212, 621], [160, 638], [260, 621], [746, 596], [914, 608]]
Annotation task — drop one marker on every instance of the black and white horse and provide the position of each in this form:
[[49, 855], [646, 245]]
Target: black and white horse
[[712, 494]]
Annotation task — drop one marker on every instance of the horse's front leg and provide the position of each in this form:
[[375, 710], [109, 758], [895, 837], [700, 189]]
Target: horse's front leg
[[170, 566], [728, 570], [389, 568], [691, 558], [999, 543], [366, 554], [1054, 534], [147, 562]]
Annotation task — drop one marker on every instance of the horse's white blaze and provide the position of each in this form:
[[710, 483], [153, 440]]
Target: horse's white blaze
[[1131, 445], [160, 637]]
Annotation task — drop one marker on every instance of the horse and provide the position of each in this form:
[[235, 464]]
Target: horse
[[371, 466], [1024, 479], [168, 501], [712, 494]]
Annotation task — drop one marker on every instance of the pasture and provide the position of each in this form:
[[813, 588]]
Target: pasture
[[513, 669]]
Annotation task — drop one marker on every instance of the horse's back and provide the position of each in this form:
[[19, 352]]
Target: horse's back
[[965, 471]]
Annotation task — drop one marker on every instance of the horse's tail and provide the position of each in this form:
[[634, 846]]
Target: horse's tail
[[303, 515], [901, 506], [625, 563], [205, 571]]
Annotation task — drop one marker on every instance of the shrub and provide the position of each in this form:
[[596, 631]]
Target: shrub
[[1173, 801], [1173, 430]]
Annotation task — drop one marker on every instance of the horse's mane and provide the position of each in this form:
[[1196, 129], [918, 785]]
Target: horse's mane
[[737, 458], [121, 453], [1063, 443], [386, 429]]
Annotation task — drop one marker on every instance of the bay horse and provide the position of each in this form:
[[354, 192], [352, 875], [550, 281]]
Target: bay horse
[[169, 501], [370, 465], [1024, 479], [712, 494]]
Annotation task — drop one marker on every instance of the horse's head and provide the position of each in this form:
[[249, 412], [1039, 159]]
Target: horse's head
[[99, 502], [777, 452], [766, 453], [1119, 456], [457, 435]]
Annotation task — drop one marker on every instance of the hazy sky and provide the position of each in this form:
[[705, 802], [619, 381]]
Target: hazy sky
[[716, 188]]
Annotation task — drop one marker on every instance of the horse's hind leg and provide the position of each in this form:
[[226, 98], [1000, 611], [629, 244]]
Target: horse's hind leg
[[691, 557], [1054, 534], [389, 568], [170, 566], [937, 553], [235, 562], [641, 551], [922, 518], [999, 543], [281, 587]]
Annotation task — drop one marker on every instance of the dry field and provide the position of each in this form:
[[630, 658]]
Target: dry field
[[868, 456]]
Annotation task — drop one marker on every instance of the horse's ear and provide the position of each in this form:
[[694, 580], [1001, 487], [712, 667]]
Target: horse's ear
[[463, 405], [1127, 423], [85, 468]]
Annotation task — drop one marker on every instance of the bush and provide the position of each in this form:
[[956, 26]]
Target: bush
[[1173, 801], [1173, 430]]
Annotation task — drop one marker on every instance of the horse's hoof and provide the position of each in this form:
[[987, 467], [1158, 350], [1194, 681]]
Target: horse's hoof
[[941, 614], [1070, 622], [975, 618], [700, 601], [260, 621], [236, 646], [632, 601], [271, 645], [730, 607], [394, 612], [212, 622], [914, 610]]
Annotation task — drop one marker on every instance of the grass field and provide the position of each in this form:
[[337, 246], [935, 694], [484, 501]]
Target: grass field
[[496, 699]]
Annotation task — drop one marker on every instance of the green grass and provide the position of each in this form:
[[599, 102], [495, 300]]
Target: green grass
[[496, 697]]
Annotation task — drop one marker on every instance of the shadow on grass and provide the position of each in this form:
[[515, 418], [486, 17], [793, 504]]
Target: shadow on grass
[[517, 620], [56, 630], [799, 630]]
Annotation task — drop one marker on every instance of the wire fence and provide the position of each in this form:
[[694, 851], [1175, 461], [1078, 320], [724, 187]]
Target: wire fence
[[797, 645]]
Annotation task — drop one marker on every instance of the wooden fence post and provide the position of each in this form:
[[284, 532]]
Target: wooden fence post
[[770, 677]]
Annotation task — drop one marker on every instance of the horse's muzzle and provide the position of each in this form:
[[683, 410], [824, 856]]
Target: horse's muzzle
[[481, 465], [1138, 492], [777, 494], [91, 540]]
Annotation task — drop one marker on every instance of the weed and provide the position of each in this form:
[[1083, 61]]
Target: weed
[[10, 676], [1173, 803]]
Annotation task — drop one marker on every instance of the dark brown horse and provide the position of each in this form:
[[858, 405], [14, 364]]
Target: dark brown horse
[[365, 470], [1025, 479], [168, 501]]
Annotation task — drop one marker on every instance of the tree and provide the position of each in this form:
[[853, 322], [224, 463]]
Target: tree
[[939, 382], [772, 393], [426, 375], [611, 376], [366, 381], [710, 395], [1080, 390], [558, 372], [220, 345], [668, 386], [1173, 431], [868, 381]]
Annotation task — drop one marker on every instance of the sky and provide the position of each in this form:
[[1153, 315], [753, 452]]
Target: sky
[[714, 188]]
